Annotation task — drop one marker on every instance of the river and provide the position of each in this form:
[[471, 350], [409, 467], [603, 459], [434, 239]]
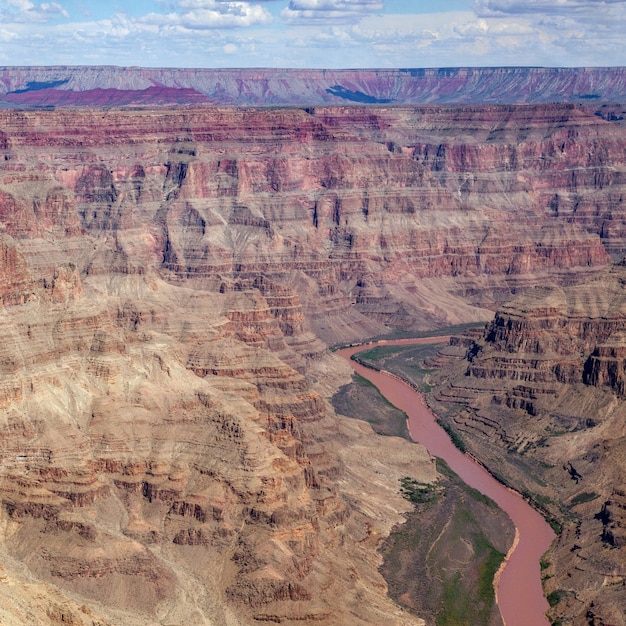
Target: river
[[518, 584]]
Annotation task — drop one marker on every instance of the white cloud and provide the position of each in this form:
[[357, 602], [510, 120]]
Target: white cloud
[[209, 14], [557, 32], [464, 39], [24, 11], [6, 35], [495, 28], [329, 10], [318, 33], [22, 5], [518, 7], [336, 5]]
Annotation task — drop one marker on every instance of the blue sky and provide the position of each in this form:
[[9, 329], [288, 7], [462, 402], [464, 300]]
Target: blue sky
[[313, 33]]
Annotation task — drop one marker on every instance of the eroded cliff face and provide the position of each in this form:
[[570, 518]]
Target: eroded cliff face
[[166, 456], [373, 217], [167, 278], [545, 383]]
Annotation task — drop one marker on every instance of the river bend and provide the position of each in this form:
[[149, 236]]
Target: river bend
[[518, 584]]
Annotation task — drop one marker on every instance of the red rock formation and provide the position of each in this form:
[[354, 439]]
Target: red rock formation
[[165, 434], [166, 424], [213, 191], [546, 383], [158, 443]]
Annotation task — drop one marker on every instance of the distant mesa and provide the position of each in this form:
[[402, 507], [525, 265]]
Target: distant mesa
[[32, 87]]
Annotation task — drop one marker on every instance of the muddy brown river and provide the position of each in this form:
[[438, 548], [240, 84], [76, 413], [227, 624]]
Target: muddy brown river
[[518, 584]]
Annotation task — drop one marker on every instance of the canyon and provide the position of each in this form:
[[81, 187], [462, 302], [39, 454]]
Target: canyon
[[539, 394], [518, 604], [172, 277]]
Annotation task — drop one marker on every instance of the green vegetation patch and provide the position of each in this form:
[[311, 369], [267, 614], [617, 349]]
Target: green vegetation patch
[[462, 606], [470, 598], [454, 436], [417, 492], [585, 496], [441, 563], [556, 596], [362, 400], [380, 352]]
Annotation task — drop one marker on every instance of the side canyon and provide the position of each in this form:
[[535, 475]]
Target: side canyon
[[171, 279]]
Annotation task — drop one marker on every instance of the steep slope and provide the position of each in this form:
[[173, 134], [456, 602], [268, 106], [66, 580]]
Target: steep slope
[[168, 276], [545, 383], [355, 210], [165, 459]]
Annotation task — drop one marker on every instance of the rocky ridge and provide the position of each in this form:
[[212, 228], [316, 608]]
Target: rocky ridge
[[115, 86], [545, 382], [164, 460], [396, 217]]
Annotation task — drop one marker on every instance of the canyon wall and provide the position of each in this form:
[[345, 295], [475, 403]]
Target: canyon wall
[[390, 217], [539, 395], [115, 86], [170, 279]]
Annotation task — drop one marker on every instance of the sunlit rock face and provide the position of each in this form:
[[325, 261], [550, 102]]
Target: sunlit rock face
[[168, 452], [384, 217], [169, 281]]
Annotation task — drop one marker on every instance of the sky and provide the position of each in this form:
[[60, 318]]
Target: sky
[[314, 33]]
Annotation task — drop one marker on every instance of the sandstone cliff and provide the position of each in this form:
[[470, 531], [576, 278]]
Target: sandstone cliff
[[354, 210], [166, 457]]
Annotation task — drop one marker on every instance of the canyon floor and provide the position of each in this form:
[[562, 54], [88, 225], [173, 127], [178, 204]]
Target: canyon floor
[[171, 279]]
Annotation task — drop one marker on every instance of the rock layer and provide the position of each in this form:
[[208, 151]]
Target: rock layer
[[545, 381], [163, 460], [167, 278], [354, 210], [113, 86]]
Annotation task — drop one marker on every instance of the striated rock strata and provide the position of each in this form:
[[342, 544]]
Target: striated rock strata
[[402, 217], [545, 381], [167, 278], [166, 457]]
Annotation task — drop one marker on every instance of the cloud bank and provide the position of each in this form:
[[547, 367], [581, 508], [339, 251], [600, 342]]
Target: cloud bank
[[315, 33], [329, 10]]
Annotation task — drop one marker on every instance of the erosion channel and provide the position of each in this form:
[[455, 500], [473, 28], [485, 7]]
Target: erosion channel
[[518, 584]]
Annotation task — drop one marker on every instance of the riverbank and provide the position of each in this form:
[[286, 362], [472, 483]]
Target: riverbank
[[520, 594]]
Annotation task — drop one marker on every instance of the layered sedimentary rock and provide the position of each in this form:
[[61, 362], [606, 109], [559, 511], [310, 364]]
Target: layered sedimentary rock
[[114, 86], [167, 458], [545, 382], [167, 278], [356, 210]]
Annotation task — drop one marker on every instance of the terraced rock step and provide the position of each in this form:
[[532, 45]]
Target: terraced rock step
[[169, 280], [562, 427]]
